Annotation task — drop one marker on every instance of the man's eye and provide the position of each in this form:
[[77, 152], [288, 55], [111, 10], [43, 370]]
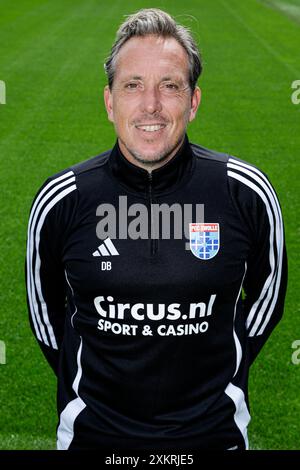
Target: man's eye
[[131, 86], [171, 86]]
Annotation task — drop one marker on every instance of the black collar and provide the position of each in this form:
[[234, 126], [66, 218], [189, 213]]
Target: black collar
[[166, 177]]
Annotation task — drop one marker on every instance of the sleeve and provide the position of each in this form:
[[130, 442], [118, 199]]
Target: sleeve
[[265, 280], [49, 220]]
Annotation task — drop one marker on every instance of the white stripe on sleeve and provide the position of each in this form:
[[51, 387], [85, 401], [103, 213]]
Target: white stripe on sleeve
[[269, 293], [241, 415], [65, 430], [38, 214]]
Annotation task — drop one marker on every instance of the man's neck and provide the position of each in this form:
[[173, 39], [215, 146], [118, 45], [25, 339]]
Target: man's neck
[[148, 165]]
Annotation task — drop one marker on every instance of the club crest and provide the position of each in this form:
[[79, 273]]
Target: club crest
[[204, 240]]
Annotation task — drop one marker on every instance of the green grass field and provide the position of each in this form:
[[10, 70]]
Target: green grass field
[[51, 60]]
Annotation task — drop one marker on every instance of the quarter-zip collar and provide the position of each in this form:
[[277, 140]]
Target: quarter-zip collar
[[164, 178]]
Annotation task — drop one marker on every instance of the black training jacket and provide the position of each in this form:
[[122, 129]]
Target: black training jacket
[[151, 334]]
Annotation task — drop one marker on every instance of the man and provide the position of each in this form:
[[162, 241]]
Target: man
[[150, 336]]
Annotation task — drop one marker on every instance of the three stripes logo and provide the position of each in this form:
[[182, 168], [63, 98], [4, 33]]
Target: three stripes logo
[[107, 248]]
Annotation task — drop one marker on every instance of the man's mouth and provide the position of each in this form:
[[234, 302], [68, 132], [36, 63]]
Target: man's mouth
[[151, 128]]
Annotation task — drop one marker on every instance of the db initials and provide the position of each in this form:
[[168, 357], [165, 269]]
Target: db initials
[[105, 265]]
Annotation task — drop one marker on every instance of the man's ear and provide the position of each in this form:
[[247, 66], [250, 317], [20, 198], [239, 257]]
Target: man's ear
[[196, 98], [108, 100]]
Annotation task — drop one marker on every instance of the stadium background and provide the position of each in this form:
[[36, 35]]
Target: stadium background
[[51, 60]]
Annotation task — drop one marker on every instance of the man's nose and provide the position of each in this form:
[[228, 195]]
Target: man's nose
[[151, 100]]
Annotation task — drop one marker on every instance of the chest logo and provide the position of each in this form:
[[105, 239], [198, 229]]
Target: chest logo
[[107, 248], [204, 240]]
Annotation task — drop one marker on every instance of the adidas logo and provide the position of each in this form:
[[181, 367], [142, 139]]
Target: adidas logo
[[107, 248]]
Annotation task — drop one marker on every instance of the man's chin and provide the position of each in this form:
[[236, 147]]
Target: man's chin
[[148, 155], [151, 158]]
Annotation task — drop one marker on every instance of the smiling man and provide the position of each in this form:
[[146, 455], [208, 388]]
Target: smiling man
[[148, 332], [151, 105]]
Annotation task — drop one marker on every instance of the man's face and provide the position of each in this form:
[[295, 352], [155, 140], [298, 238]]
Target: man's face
[[151, 102]]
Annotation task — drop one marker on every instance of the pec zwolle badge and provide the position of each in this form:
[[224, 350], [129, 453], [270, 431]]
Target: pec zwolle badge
[[204, 240]]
